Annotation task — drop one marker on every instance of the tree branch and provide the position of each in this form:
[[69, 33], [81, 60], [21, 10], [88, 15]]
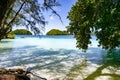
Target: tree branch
[[53, 11], [11, 22], [5, 7]]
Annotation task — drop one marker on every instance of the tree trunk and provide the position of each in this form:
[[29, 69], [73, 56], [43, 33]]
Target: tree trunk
[[5, 8]]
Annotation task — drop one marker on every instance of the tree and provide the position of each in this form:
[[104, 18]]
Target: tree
[[99, 16], [27, 13]]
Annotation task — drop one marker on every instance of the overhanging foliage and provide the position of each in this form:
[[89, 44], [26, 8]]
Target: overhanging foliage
[[101, 17]]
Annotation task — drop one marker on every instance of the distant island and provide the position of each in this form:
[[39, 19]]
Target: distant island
[[12, 34], [57, 32]]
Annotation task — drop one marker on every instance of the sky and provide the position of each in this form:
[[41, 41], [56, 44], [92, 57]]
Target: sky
[[54, 21]]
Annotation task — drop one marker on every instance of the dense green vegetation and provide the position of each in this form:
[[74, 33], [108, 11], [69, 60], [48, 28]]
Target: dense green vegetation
[[57, 32], [21, 32], [99, 16], [12, 34]]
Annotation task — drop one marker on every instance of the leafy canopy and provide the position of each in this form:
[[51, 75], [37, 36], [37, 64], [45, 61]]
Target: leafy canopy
[[101, 17]]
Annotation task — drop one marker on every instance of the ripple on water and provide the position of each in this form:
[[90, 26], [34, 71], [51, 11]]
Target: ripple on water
[[50, 58]]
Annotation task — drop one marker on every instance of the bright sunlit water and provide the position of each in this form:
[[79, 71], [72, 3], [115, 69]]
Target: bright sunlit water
[[49, 56]]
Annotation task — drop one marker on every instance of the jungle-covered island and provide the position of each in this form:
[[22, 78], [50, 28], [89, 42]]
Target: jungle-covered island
[[58, 55], [57, 32], [12, 34]]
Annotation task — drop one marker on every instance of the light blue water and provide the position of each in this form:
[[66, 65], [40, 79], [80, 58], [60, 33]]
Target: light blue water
[[51, 55]]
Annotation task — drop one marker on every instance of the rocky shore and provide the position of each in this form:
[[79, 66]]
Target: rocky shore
[[16, 74]]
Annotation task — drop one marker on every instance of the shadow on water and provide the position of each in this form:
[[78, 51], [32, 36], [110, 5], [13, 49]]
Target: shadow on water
[[14, 55], [5, 45], [108, 70], [111, 63], [5, 50], [40, 56], [57, 60]]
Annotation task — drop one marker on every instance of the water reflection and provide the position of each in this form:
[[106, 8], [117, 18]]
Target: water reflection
[[6, 46]]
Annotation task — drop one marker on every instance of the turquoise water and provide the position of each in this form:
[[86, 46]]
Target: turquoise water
[[48, 56]]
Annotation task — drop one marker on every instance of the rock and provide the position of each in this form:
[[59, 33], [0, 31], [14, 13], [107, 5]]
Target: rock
[[13, 74], [22, 77], [2, 70], [8, 77], [17, 74]]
